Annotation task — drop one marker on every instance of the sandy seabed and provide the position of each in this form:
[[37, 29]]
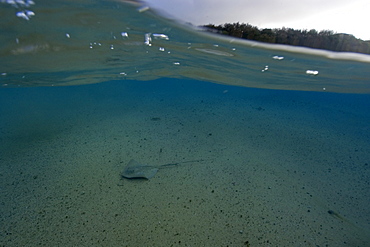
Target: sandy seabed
[[280, 168]]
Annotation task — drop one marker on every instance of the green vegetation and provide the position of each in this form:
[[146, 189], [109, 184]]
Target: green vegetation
[[325, 39]]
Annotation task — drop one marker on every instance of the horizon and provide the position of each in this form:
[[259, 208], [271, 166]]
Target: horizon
[[318, 30], [339, 16]]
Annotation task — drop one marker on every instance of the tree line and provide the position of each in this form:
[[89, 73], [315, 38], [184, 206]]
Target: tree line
[[325, 39]]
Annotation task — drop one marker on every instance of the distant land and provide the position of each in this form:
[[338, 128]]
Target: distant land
[[325, 39]]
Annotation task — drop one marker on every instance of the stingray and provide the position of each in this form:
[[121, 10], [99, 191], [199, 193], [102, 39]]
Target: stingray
[[135, 169]]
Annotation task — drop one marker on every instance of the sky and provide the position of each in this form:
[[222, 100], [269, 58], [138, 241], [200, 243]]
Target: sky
[[341, 16]]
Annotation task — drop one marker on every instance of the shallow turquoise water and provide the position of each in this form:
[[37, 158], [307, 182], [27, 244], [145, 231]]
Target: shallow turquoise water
[[281, 168], [276, 163]]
